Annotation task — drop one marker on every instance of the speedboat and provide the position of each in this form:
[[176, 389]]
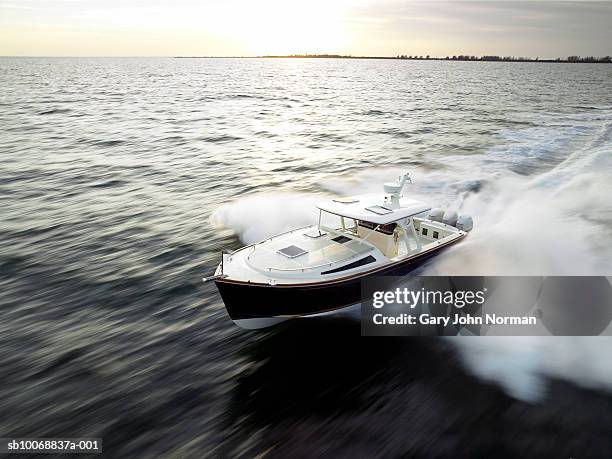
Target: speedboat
[[319, 269]]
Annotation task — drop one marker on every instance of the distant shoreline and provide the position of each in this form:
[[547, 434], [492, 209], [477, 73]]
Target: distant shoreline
[[568, 60]]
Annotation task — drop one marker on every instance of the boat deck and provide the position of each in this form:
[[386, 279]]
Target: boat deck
[[308, 254], [329, 249]]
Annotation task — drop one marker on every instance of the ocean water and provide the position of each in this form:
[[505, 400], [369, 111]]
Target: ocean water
[[121, 180]]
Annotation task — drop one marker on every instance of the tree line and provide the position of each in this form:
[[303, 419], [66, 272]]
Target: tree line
[[462, 57]]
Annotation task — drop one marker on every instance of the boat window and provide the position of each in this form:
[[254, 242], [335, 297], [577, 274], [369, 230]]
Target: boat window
[[435, 235], [424, 231], [385, 229], [361, 262], [341, 239]]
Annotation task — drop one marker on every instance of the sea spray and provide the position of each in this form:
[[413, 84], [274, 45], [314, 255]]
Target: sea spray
[[262, 215]]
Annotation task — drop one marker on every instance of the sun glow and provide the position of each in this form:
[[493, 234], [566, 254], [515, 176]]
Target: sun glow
[[278, 27]]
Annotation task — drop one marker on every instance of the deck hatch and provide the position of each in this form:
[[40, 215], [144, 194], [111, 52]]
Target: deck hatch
[[292, 251], [380, 210], [341, 239]]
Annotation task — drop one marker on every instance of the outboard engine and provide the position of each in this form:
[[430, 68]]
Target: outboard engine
[[465, 223], [436, 214], [450, 217]]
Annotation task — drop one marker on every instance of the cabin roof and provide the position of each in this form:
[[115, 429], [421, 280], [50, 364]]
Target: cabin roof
[[373, 208]]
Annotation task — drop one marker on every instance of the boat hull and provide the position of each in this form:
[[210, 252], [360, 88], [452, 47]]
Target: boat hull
[[256, 305]]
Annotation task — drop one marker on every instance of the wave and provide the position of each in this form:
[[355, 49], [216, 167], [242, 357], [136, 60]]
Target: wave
[[55, 111], [220, 138]]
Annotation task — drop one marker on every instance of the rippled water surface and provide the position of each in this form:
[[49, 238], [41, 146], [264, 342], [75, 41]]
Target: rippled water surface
[[122, 179]]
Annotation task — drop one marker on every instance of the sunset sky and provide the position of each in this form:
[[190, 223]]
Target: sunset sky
[[250, 27]]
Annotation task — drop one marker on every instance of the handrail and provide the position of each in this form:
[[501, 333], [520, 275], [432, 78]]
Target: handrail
[[222, 274], [267, 239], [270, 238], [335, 231], [270, 268], [282, 234]]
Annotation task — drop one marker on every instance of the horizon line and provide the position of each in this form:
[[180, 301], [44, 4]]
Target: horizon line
[[456, 57]]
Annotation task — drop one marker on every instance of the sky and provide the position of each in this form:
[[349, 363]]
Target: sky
[[536, 28]]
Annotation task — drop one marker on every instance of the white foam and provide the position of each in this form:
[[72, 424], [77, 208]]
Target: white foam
[[522, 365], [558, 222], [525, 230], [555, 223], [259, 216]]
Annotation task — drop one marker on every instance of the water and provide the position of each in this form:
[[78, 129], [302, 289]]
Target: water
[[122, 179]]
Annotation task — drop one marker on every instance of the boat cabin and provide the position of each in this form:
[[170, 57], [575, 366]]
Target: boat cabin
[[388, 226]]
